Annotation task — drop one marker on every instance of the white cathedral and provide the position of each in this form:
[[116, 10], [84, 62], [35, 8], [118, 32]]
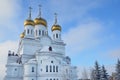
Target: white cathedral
[[40, 56]]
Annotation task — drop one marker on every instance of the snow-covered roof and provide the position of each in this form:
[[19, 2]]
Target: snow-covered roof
[[13, 64], [46, 49], [33, 61]]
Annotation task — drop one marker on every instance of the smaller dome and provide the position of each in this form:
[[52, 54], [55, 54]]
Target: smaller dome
[[41, 21], [29, 22], [56, 27], [22, 35]]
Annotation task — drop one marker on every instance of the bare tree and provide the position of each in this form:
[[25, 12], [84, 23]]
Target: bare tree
[[84, 74]]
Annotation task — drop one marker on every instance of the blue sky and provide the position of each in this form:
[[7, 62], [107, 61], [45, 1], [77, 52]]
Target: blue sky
[[90, 28]]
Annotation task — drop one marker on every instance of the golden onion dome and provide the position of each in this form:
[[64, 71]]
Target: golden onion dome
[[40, 21], [22, 35], [29, 22], [56, 27]]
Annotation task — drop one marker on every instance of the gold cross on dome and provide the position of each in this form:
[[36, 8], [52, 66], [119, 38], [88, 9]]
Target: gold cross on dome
[[55, 18]]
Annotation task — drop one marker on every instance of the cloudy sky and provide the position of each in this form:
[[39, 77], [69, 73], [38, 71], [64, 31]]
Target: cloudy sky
[[90, 28]]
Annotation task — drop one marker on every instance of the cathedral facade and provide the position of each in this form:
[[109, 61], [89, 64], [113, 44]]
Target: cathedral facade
[[40, 56]]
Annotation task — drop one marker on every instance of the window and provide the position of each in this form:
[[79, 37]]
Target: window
[[50, 48], [50, 79], [41, 69], [51, 61], [54, 79], [32, 69], [36, 32], [43, 33], [32, 79], [28, 31], [15, 69], [39, 32], [50, 68], [47, 68], [56, 35], [56, 68], [53, 36], [41, 61], [57, 79], [31, 31], [53, 68]]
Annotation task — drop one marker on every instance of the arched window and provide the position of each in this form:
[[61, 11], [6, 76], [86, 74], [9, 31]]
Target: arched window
[[28, 31], [40, 69], [47, 68], [50, 48], [41, 61], [32, 69], [54, 79], [43, 33], [56, 68], [53, 68], [53, 36], [36, 32], [50, 68], [39, 32], [15, 69], [31, 31], [50, 79], [56, 35], [32, 79]]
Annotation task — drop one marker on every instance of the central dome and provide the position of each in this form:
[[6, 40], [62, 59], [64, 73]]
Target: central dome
[[40, 21]]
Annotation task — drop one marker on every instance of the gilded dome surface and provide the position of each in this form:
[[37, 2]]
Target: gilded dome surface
[[29, 22], [22, 35], [40, 21], [56, 27]]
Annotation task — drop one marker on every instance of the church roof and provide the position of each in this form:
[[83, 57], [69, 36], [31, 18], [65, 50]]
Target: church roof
[[47, 48], [31, 61], [14, 64]]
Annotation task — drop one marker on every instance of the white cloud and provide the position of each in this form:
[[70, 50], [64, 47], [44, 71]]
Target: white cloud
[[8, 8], [115, 53], [69, 10], [4, 47], [8, 11], [84, 36]]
